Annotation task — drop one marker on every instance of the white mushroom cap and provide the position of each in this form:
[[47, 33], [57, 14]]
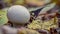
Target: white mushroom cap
[[18, 14]]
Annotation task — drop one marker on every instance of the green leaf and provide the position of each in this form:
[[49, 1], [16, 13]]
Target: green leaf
[[3, 17]]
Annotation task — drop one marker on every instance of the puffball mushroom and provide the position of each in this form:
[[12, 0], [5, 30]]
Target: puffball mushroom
[[18, 14]]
